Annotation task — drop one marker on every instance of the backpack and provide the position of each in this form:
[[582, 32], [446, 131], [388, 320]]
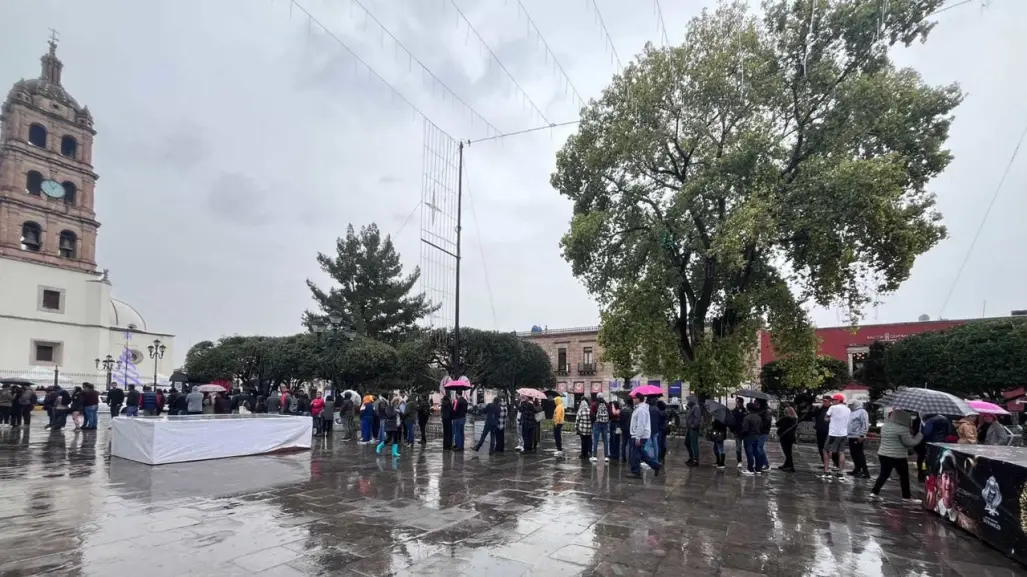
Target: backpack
[[602, 413], [729, 420]]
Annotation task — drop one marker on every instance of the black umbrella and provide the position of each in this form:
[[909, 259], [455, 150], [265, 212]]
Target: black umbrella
[[753, 394], [551, 393], [19, 382], [717, 410]]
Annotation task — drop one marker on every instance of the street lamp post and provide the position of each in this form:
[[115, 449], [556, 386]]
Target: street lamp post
[[156, 353], [108, 365], [332, 328]]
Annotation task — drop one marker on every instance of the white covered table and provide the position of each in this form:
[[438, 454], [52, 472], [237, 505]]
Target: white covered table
[[167, 439]]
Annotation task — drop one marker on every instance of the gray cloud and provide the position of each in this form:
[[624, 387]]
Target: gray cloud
[[231, 142]]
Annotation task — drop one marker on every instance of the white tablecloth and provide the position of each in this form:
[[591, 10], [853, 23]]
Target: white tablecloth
[[160, 440]]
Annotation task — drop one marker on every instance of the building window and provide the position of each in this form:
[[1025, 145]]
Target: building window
[[68, 244], [31, 237], [69, 146], [586, 355], [34, 182], [37, 135], [51, 299], [857, 357], [46, 353], [70, 190], [561, 360]]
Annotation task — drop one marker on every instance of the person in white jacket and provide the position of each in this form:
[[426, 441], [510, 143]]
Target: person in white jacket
[[641, 432]]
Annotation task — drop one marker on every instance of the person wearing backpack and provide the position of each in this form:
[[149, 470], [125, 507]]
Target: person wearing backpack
[[600, 428]]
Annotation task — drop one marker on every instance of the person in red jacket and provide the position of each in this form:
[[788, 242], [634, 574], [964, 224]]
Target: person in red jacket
[[316, 406]]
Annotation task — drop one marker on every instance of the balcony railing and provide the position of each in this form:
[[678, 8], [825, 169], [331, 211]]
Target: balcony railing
[[561, 371], [586, 368]]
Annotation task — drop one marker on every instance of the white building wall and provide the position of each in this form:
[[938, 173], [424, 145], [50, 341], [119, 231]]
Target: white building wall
[[83, 326]]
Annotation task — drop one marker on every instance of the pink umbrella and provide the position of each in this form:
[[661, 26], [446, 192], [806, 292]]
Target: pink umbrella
[[986, 408], [532, 393], [647, 391], [462, 383]]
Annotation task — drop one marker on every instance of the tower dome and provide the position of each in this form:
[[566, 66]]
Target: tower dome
[[48, 87]]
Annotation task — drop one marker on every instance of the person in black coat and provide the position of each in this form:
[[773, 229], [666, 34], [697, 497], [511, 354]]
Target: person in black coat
[[115, 399], [423, 415], [528, 410], [625, 431], [786, 426], [446, 411]]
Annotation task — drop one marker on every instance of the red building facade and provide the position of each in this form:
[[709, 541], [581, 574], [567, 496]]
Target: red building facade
[[851, 344]]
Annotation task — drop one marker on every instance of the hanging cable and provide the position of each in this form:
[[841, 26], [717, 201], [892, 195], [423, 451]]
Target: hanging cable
[[481, 247], [550, 53], [499, 62], [662, 25], [606, 34], [525, 131], [984, 219]]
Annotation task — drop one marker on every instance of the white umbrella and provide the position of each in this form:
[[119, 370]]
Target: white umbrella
[[209, 389]]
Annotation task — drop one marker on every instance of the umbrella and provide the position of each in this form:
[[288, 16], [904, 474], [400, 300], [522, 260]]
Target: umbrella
[[209, 389], [552, 393], [353, 395], [753, 394], [19, 382], [986, 408], [717, 410], [927, 402], [461, 384], [531, 393], [647, 391]]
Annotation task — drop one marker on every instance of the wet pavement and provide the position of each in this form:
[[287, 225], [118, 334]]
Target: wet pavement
[[67, 508]]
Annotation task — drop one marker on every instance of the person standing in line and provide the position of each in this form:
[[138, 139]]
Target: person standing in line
[[819, 418], [786, 426], [61, 407], [693, 422], [346, 416], [859, 426], [26, 403], [527, 411], [459, 420], [615, 430], [327, 415], [193, 402], [766, 422], [504, 414], [657, 422], [583, 427], [491, 425], [718, 433], [115, 398], [641, 433], [367, 420], [6, 402], [132, 402], [625, 432], [48, 403], [274, 402], [446, 412], [600, 413], [893, 453], [559, 414], [90, 406], [838, 435], [317, 406], [517, 424], [737, 416], [751, 439], [75, 406], [149, 401], [996, 433], [392, 423], [423, 415]]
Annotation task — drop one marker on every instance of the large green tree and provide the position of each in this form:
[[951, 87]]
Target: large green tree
[[765, 164], [492, 359], [371, 293], [980, 358], [831, 375]]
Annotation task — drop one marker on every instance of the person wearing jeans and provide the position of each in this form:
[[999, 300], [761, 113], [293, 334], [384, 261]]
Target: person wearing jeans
[[641, 435], [615, 440], [896, 441], [601, 428], [751, 439], [459, 418], [90, 403], [859, 426], [491, 423]]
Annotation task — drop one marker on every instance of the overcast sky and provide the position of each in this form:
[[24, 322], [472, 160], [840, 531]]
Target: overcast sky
[[236, 140]]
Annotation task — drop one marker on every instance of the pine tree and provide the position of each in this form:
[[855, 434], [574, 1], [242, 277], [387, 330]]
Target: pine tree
[[372, 294]]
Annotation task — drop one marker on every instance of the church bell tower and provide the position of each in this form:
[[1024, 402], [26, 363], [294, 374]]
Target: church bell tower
[[47, 181]]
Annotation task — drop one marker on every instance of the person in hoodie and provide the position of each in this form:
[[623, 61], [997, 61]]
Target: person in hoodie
[[625, 432], [559, 416], [751, 425], [380, 406], [859, 426], [491, 426], [693, 422], [893, 453], [641, 434], [392, 423], [274, 402], [600, 414]]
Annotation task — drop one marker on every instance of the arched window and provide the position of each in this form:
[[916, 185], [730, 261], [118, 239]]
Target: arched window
[[37, 135], [69, 146], [69, 242], [70, 190], [31, 237], [34, 182]]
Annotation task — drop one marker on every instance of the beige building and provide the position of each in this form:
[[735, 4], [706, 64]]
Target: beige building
[[577, 364]]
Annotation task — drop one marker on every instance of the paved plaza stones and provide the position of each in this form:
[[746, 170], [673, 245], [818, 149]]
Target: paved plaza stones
[[66, 508]]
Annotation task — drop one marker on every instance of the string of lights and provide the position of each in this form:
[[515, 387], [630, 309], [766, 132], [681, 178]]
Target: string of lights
[[661, 24], [607, 39], [549, 52], [495, 58]]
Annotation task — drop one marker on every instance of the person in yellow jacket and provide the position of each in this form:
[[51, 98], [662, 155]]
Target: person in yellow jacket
[[558, 420]]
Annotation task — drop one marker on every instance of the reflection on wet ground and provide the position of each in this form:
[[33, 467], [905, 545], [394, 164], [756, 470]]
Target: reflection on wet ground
[[66, 508]]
